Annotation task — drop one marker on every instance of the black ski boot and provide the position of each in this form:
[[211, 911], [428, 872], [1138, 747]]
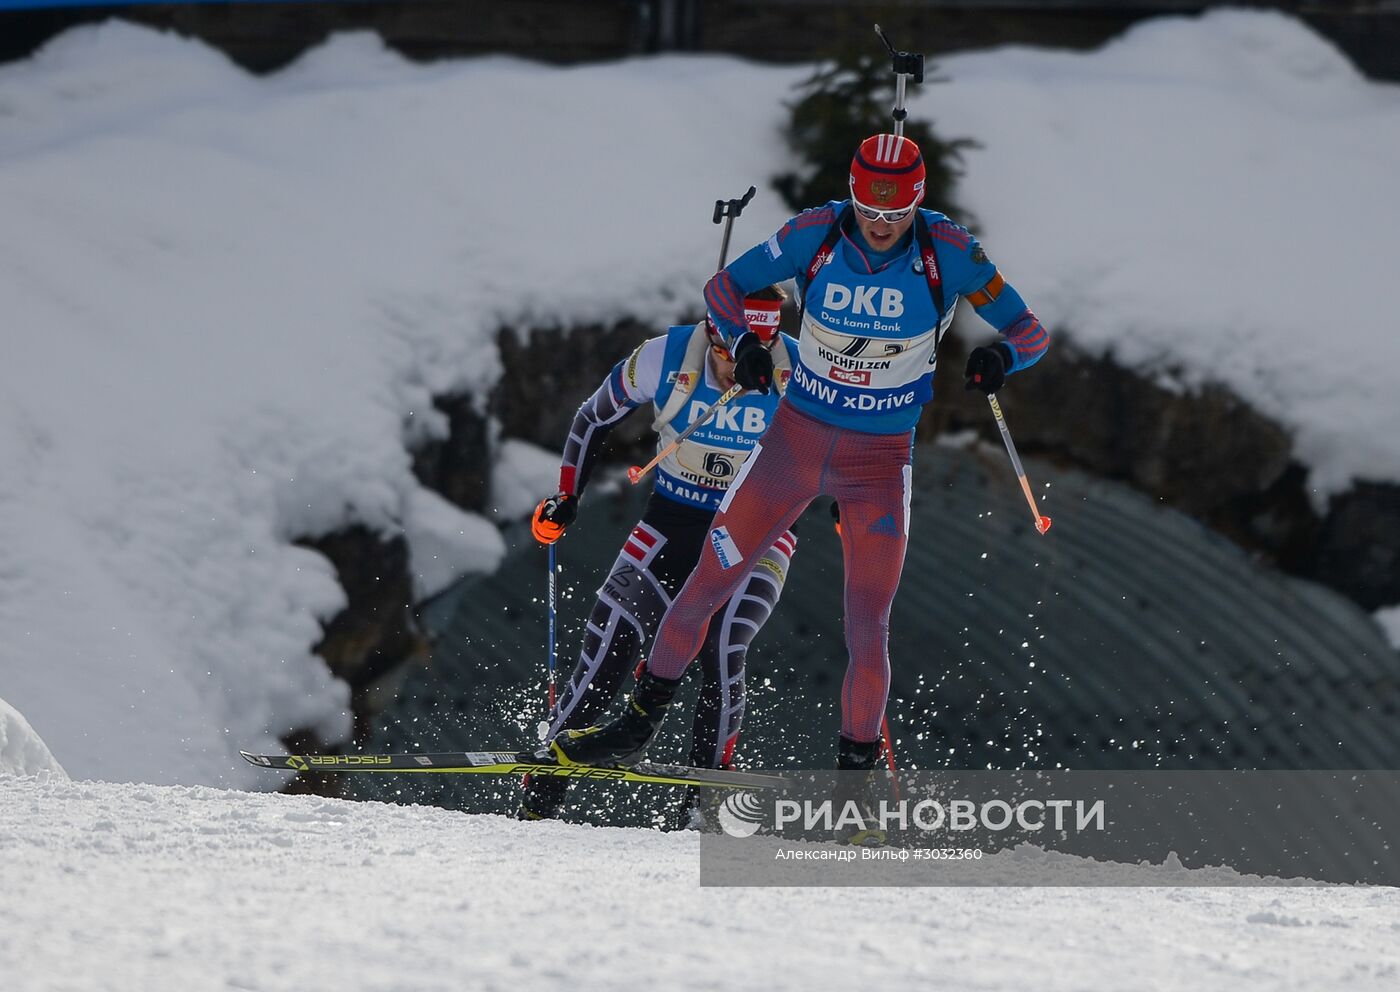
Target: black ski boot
[[543, 798], [624, 739], [701, 810], [855, 786]]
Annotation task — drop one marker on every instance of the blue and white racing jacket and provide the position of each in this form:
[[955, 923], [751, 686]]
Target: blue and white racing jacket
[[672, 372], [870, 325]]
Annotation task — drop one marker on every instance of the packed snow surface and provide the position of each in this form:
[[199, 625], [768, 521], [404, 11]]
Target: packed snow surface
[[135, 887], [229, 301]]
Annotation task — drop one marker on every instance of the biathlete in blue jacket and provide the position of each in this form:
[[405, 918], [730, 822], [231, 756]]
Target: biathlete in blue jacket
[[879, 279], [680, 373]]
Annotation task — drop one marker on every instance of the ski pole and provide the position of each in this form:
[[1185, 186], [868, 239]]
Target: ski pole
[[889, 744], [553, 571], [908, 67], [888, 747], [727, 210], [1042, 522], [636, 472]]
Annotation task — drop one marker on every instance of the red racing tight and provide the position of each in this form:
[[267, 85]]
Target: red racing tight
[[799, 459]]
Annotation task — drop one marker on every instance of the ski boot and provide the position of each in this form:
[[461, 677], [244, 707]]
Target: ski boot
[[543, 797], [700, 812], [624, 739], [852, 787]]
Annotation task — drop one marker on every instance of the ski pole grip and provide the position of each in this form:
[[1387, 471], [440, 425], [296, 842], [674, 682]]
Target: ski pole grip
[[733, 208], [903, 63]]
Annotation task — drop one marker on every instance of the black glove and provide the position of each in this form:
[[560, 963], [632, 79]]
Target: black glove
[[552, 516], [986, 367], [836, 515], [753, 363]]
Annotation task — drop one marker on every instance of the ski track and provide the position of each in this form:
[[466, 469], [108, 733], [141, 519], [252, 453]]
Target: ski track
[[121, 886]]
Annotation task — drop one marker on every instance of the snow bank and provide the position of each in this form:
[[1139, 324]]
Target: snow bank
[[1389, 619], [1210, 199], [22, 752], [524, 473], [229, 302]]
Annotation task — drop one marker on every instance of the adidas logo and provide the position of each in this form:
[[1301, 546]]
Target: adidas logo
[[885, 525]]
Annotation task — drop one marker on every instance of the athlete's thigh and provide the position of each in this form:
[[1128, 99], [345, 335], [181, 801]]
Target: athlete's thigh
[[650, 567], [765, 499], [874, 535]]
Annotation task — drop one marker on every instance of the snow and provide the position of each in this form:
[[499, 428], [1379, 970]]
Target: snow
[[445, 543], [1389, 619], [230, 300], [1211, 199], [22, 751], [136, 887], [523, 474]]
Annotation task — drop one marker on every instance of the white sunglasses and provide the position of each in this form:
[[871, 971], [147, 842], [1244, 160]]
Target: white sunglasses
[[888, 216]]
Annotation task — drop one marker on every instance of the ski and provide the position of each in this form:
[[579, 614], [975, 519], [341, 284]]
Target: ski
[[516, 763]]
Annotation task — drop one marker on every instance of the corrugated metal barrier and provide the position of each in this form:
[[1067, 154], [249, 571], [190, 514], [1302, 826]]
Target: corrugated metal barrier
[[1128, 637]]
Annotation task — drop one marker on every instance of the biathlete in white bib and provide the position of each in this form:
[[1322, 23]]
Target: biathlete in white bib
[[680, 373]]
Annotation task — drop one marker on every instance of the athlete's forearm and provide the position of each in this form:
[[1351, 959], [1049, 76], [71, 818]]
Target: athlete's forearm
[[772, 262], [725, 302], [1000, 305], [592, 423], [1028, 339]]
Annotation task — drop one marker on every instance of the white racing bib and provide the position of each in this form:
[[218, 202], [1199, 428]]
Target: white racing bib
[[865, 360]]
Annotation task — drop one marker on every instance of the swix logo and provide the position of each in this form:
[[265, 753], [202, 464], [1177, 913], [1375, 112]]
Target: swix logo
[[848, 376], [862, 300], [931, 265]]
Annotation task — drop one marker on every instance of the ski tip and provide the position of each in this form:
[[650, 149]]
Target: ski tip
[[1042, 524], [634, 474], [261, 760]]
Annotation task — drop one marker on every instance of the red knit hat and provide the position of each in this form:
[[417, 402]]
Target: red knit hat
[[887, 173]]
